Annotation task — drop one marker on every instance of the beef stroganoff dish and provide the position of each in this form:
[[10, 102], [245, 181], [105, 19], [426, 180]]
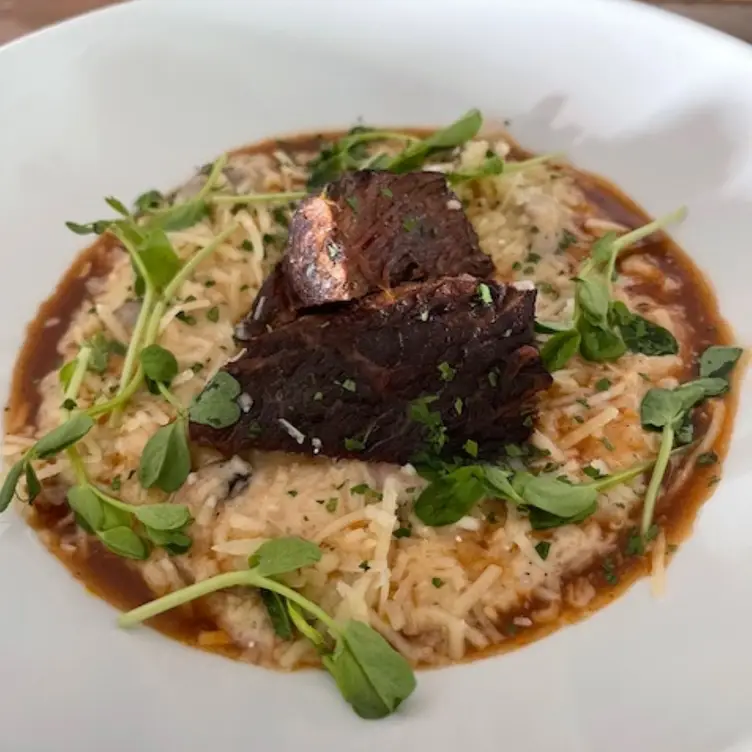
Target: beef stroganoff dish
[[371, 401]]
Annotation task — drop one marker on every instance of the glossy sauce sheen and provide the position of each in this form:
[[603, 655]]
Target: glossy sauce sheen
[[113, 578]]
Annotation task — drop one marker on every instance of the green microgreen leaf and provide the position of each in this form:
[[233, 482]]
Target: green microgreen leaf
[[8, 491], [456, 134], [64, 436], [124, 542], [283, 555], [559, 349], [718, 361], [166, 459], [33, 486], [370, 674], [159, 364], [87, 506], [276, 609], [451, 497], [642, 335], [216, 405], [163, 517]]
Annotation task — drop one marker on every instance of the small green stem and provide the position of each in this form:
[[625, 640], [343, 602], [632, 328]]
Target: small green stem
[[195, 260], [111, 499], [135, 256], [247, 578], [510, 168], [184, 595], [102, 408], [258, 198], [171, 398], [611, 481], [133, 346], [303, 626], [358, 138], [77, 464], [212, 178], [661, 463], [630, 238], [71, 393], [82, 363]]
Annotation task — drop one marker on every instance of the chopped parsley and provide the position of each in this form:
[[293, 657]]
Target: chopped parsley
[[246, 245], [410, 223], [292, 492], [471, 447], [609, 572], [116, 483], [707, 458], [458, 404], [364, 565], [567, 239], [349, 385], [484, 293], [516, 266], [197, 367], [185, 318], [543, 548], [419, 412], [386, 192], [403, 532], [592, 472], [213, 314], [437, 582], [352, 202], [354, 445], [446, 371], [602, 385], [209, 283], [533, 258], [365, 490], [606, 443], [548, 289]]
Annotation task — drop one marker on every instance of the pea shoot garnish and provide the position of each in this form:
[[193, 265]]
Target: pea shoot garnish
[[372, 677]]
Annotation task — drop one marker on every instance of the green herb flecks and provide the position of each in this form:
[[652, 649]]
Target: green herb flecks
[[435, 431]]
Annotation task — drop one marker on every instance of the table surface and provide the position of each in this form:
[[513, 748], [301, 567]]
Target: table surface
[[18, 17]]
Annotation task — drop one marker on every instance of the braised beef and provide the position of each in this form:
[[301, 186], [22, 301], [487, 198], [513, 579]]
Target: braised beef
[[366, 232], [458, 350]]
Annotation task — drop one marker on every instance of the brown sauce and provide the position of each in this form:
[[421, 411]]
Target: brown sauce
[[116, 581]]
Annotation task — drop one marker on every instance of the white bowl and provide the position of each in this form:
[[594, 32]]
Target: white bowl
[[134, 97]]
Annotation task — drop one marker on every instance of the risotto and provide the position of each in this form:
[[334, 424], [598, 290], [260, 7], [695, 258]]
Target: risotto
[[626, 441]]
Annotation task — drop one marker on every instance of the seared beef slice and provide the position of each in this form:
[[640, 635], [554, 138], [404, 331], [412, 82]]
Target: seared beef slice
[[345, 384], [366, 232]]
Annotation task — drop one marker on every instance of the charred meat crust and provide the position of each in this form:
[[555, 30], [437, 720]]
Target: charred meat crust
[[340, 384], [368, 231]]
